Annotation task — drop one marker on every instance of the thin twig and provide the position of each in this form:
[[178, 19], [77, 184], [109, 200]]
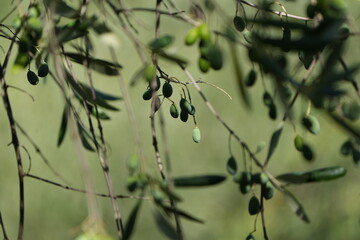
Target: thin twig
[[119, 196], [41, 154], [3, 227], [15, 140], [275, 12]]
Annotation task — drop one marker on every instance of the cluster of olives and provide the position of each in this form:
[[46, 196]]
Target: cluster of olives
[[246, 181], [269, 103], [186, 107], [312, 124], [43, 71], [210, 54]]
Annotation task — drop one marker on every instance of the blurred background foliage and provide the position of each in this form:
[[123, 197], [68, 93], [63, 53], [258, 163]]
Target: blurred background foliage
[[56, 213]]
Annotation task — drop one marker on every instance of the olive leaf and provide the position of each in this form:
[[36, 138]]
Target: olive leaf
[[198, 181]]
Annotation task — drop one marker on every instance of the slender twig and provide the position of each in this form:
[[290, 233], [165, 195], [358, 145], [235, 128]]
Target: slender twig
[[15, 140], [275, 12], [102, 155], [3, 227], [23, 91], [152, 120], [118, 196]]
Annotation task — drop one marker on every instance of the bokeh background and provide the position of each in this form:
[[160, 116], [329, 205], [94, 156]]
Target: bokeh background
[[55, 213]]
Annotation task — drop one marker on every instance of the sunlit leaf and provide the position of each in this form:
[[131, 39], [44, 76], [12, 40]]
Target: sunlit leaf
[[198, 181]]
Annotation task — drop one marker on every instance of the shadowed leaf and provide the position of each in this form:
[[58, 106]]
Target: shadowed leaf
[[84, 136], [183, 214], [198, 181], [98, 65], [274, 141], [318, 175], [166, 228], [63, 126], [130, 224]]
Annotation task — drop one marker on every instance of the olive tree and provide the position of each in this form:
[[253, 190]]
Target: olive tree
[[294, 57]]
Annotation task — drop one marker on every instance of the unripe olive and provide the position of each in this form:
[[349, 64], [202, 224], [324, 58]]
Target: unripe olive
[[272, 112], [215, 57], [244, 188], [259, 178], [184, 115], [312, 124], [167, 90], [347, 148], [149, 73], [298, 142], [204, 32], [267, 190], [196, 135], [192, 36], [204, 65], [43, 70], [131, 183], [239, 23], [251, 78], [267, 99], [173, 111], [186, 106], [147, 94], [254, 205], [307, 152], [32, 78]]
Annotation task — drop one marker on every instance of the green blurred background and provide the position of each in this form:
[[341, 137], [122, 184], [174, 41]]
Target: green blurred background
[[55, 213]]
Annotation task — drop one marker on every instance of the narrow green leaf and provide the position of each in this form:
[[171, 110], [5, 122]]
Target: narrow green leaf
[[274, 140], [166, 228], [130, 224], [198, 181], [161, 42], [318, 175], [84, 136], [63, 125], [231, 165], [98, 65], [84, 91], [183, 214], [295, 205], [239, 75]]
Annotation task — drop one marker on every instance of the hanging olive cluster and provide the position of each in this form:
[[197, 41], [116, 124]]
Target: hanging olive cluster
[[210, 53], [43, 71], [186, 107]]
